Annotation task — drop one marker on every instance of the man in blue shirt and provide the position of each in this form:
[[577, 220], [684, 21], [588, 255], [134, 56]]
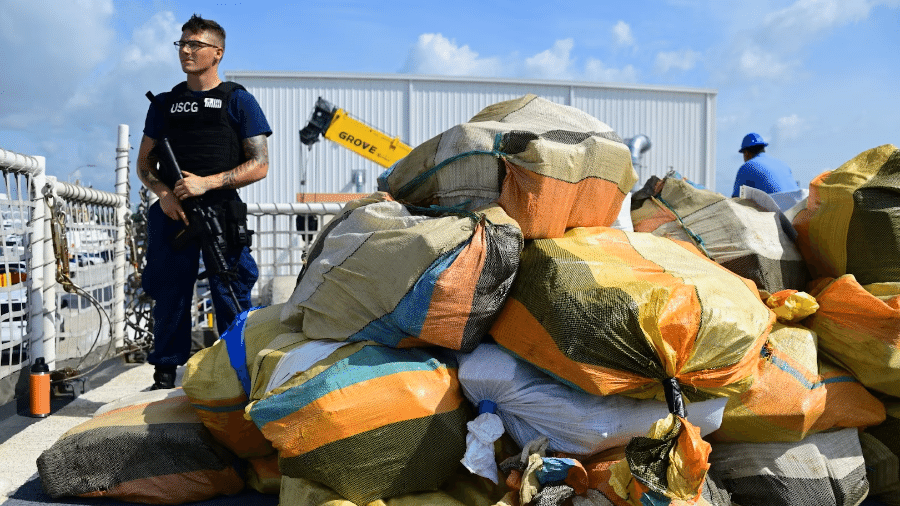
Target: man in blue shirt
[[218, 134], [760, 170]]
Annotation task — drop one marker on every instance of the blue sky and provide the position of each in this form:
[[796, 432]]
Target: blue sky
[[816, 78]]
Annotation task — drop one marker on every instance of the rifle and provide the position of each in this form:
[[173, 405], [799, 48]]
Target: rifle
[[205, 227]]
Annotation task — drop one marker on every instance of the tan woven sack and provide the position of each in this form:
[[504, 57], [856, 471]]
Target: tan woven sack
[[737, 234], [550, 166], [850, 224]]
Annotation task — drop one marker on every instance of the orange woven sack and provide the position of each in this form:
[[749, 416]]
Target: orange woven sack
[[615, 312], [369, 422], [859, 328], [550, 166], [797, 394]]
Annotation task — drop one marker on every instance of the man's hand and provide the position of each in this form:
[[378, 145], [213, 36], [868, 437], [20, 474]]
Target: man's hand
[[190, 186], [171, 206]]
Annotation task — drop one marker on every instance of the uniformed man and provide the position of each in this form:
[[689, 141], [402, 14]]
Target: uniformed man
[[218, 134]]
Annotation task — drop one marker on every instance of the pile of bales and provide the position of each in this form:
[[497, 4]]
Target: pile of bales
[[477, 333]]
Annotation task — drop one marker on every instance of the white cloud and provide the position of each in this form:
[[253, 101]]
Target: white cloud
[[554, 63], [622, 35], [48, 48], [789, 128], [151, 44], [773, 48], [595, 70], [87, 87], [115, 95], [754, 63], [435, 54], [683, 60], [805, 18]]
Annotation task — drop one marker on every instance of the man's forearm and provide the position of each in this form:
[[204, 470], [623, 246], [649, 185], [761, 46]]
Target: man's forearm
[[244, 174], [255, 168], [150, 180], [146, 168]]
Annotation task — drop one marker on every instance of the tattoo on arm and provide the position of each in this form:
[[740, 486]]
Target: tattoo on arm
[[147, 164], [145, 173], [257, 149], [257, 152]]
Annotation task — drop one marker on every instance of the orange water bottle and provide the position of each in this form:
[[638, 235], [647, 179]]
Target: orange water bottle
[[40, 388]]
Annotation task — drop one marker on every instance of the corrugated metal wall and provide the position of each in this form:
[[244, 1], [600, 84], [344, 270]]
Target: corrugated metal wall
[[680, 122]]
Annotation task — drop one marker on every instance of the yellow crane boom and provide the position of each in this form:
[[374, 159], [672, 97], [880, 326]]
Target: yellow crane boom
[[336, 125]]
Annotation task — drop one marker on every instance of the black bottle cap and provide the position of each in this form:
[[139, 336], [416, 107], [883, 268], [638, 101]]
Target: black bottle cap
[[39, 366]]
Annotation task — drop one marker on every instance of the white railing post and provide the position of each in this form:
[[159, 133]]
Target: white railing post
[[122, 189], [42, 298], [41, 267]]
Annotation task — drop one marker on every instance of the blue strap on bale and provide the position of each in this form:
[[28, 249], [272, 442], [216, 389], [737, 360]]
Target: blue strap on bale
[[237, 349]]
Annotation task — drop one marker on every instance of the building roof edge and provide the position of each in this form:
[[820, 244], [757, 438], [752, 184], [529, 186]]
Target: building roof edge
[[267, 74]]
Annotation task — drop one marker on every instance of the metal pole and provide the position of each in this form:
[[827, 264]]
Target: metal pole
[[295, 208], [42, 294], [120, 262]]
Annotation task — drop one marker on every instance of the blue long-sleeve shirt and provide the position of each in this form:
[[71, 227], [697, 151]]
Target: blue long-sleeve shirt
[[765, 173]]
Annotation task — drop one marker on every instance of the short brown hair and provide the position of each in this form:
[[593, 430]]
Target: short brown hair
[[197, 24]]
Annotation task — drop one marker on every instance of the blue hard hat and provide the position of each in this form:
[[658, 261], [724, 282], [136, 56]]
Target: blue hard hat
[[751, 140]]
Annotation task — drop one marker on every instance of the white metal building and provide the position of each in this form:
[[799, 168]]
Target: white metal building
[[679, 122]]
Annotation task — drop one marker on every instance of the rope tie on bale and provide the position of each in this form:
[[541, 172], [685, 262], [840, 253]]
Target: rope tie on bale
[[415, 182], [674, 398], [434, 210], [698, 241]]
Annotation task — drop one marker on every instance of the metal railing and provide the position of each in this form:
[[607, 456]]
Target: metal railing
[[42, 219], [282, 235], [88, 234], [283, 232], [71, 257]]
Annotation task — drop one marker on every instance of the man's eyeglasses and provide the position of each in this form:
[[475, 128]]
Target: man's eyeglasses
[[192, 45]]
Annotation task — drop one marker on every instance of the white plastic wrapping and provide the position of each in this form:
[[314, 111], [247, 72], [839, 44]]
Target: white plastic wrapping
[[623, 220], [532, 404], [479, 458], [300, 359]]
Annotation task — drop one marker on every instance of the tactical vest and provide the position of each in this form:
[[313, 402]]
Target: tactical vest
[[202, 137]]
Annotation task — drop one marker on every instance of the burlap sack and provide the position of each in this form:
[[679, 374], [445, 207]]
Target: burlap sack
[[851, 224], [629, 313], [796, 394], [859, 328], [369, 422], [153, 451], [884, 467], [825, 469], [219, 383], [750, 241], [382, 273], [532, 404], [550, 166]]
